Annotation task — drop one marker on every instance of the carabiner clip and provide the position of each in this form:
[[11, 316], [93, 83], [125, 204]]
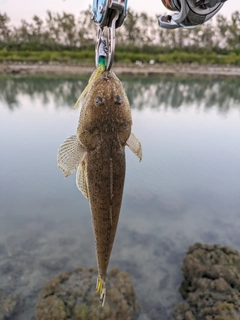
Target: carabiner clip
[[106, 46], [110, 14]]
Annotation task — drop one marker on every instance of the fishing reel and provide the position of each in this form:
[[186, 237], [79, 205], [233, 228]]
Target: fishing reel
[[191, 13]]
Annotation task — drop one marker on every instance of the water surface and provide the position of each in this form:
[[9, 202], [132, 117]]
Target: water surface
[[185, 190]]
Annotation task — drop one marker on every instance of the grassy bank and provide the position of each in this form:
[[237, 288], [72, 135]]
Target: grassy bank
[[124, 57]]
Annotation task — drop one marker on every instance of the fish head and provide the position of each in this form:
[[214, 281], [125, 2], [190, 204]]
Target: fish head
[[105, 112]]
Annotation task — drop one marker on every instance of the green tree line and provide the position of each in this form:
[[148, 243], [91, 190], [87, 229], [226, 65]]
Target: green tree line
[[140, 33]]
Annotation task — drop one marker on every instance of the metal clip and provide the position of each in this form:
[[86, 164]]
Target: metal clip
[[107, 43], [111, 41]]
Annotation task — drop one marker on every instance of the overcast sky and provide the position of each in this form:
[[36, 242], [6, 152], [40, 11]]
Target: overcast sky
[[26, 9]]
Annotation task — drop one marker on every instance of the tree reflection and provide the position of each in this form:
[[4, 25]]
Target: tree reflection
[[176, 92], [164, 92], [62, 92]]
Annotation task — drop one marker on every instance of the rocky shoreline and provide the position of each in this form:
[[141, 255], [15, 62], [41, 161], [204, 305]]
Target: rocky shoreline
[[54, 68]]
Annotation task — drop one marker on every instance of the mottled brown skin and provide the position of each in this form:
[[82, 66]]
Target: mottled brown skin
[[104, 127]]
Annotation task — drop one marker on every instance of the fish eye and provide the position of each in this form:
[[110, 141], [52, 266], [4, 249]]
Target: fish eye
[[99, 101], [118, 100], [124, 125]]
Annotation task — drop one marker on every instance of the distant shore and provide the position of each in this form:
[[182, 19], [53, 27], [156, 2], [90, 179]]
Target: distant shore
[[131, 69]]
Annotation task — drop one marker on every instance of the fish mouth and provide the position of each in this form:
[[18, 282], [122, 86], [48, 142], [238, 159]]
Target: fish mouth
[[108, 75]]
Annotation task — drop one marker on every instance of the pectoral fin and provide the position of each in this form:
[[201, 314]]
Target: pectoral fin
[[70, 155], [81, 179], [134, 144]]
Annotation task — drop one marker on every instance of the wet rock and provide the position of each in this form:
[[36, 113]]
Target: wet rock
[[211, 284], [8, 305], [71, 295]]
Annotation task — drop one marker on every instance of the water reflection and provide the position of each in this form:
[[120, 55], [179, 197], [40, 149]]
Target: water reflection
[[142, 92], [63, 91], [176, 92]]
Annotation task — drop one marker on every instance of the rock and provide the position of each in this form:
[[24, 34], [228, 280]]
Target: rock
[[8, 305], [211, 284], [71, 295]]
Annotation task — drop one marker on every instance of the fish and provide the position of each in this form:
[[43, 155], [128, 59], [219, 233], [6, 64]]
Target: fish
[[97, 152]]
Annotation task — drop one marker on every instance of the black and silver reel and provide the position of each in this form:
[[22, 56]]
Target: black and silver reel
[[191, 13]]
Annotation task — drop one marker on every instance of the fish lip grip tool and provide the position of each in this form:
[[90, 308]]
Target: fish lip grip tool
[[191, 13], [103, 12], [109, 14]]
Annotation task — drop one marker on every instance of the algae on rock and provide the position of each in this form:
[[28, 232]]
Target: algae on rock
[[71, 295], [211, 284], [8, 305]]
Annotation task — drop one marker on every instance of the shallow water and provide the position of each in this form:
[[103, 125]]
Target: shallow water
[[185, 190]]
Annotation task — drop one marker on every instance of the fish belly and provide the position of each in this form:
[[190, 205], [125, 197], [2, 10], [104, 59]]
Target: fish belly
[[105, 179]]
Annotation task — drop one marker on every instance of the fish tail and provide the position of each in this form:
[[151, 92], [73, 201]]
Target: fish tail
[[101, 288], [96, 74]]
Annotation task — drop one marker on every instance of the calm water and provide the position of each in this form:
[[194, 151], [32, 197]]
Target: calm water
[[185, 190]]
